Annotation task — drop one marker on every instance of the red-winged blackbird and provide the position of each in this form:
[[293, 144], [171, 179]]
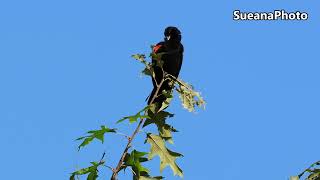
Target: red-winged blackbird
[[172, 55]]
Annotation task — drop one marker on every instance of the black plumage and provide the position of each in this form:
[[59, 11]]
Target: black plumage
[[172, 57]]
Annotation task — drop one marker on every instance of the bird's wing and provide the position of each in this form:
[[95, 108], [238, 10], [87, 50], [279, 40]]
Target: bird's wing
[[156, 48]]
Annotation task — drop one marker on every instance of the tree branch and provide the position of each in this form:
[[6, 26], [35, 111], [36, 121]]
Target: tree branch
[[130, 139]]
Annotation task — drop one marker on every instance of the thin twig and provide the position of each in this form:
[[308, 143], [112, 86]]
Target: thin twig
[[180, 82], [104, 153], [122, 134], [108, 167]]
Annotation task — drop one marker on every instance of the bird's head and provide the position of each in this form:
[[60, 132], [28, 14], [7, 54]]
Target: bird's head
[[172, 34]]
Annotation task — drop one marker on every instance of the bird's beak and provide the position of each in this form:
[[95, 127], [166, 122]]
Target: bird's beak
[[168, 38]]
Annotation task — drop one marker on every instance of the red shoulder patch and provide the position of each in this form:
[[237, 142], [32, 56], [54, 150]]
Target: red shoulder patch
[[156, 48]]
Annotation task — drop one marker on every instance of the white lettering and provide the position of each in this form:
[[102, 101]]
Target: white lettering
[[275, 15], [250, 16], [236, 15], [304, 16]]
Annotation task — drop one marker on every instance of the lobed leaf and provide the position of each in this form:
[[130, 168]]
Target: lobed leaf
[[134, 160], [166, 103], [92, 171], [164, 129], [135, 117], [167, 157], [95, 134]]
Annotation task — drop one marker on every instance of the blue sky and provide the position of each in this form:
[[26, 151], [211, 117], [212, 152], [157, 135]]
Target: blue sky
[[65, 68]]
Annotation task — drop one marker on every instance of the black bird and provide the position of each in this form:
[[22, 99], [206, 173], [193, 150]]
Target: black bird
[[172, 55]]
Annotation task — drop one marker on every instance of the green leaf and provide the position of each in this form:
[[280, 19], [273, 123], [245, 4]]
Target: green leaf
[[156, 107], [135, 117], [92, 175], [159, 119], [167, 157], [134, 160], [139, 57], [95, 134], [92, 171], [148, 70], [159, 116], [166, 103]]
